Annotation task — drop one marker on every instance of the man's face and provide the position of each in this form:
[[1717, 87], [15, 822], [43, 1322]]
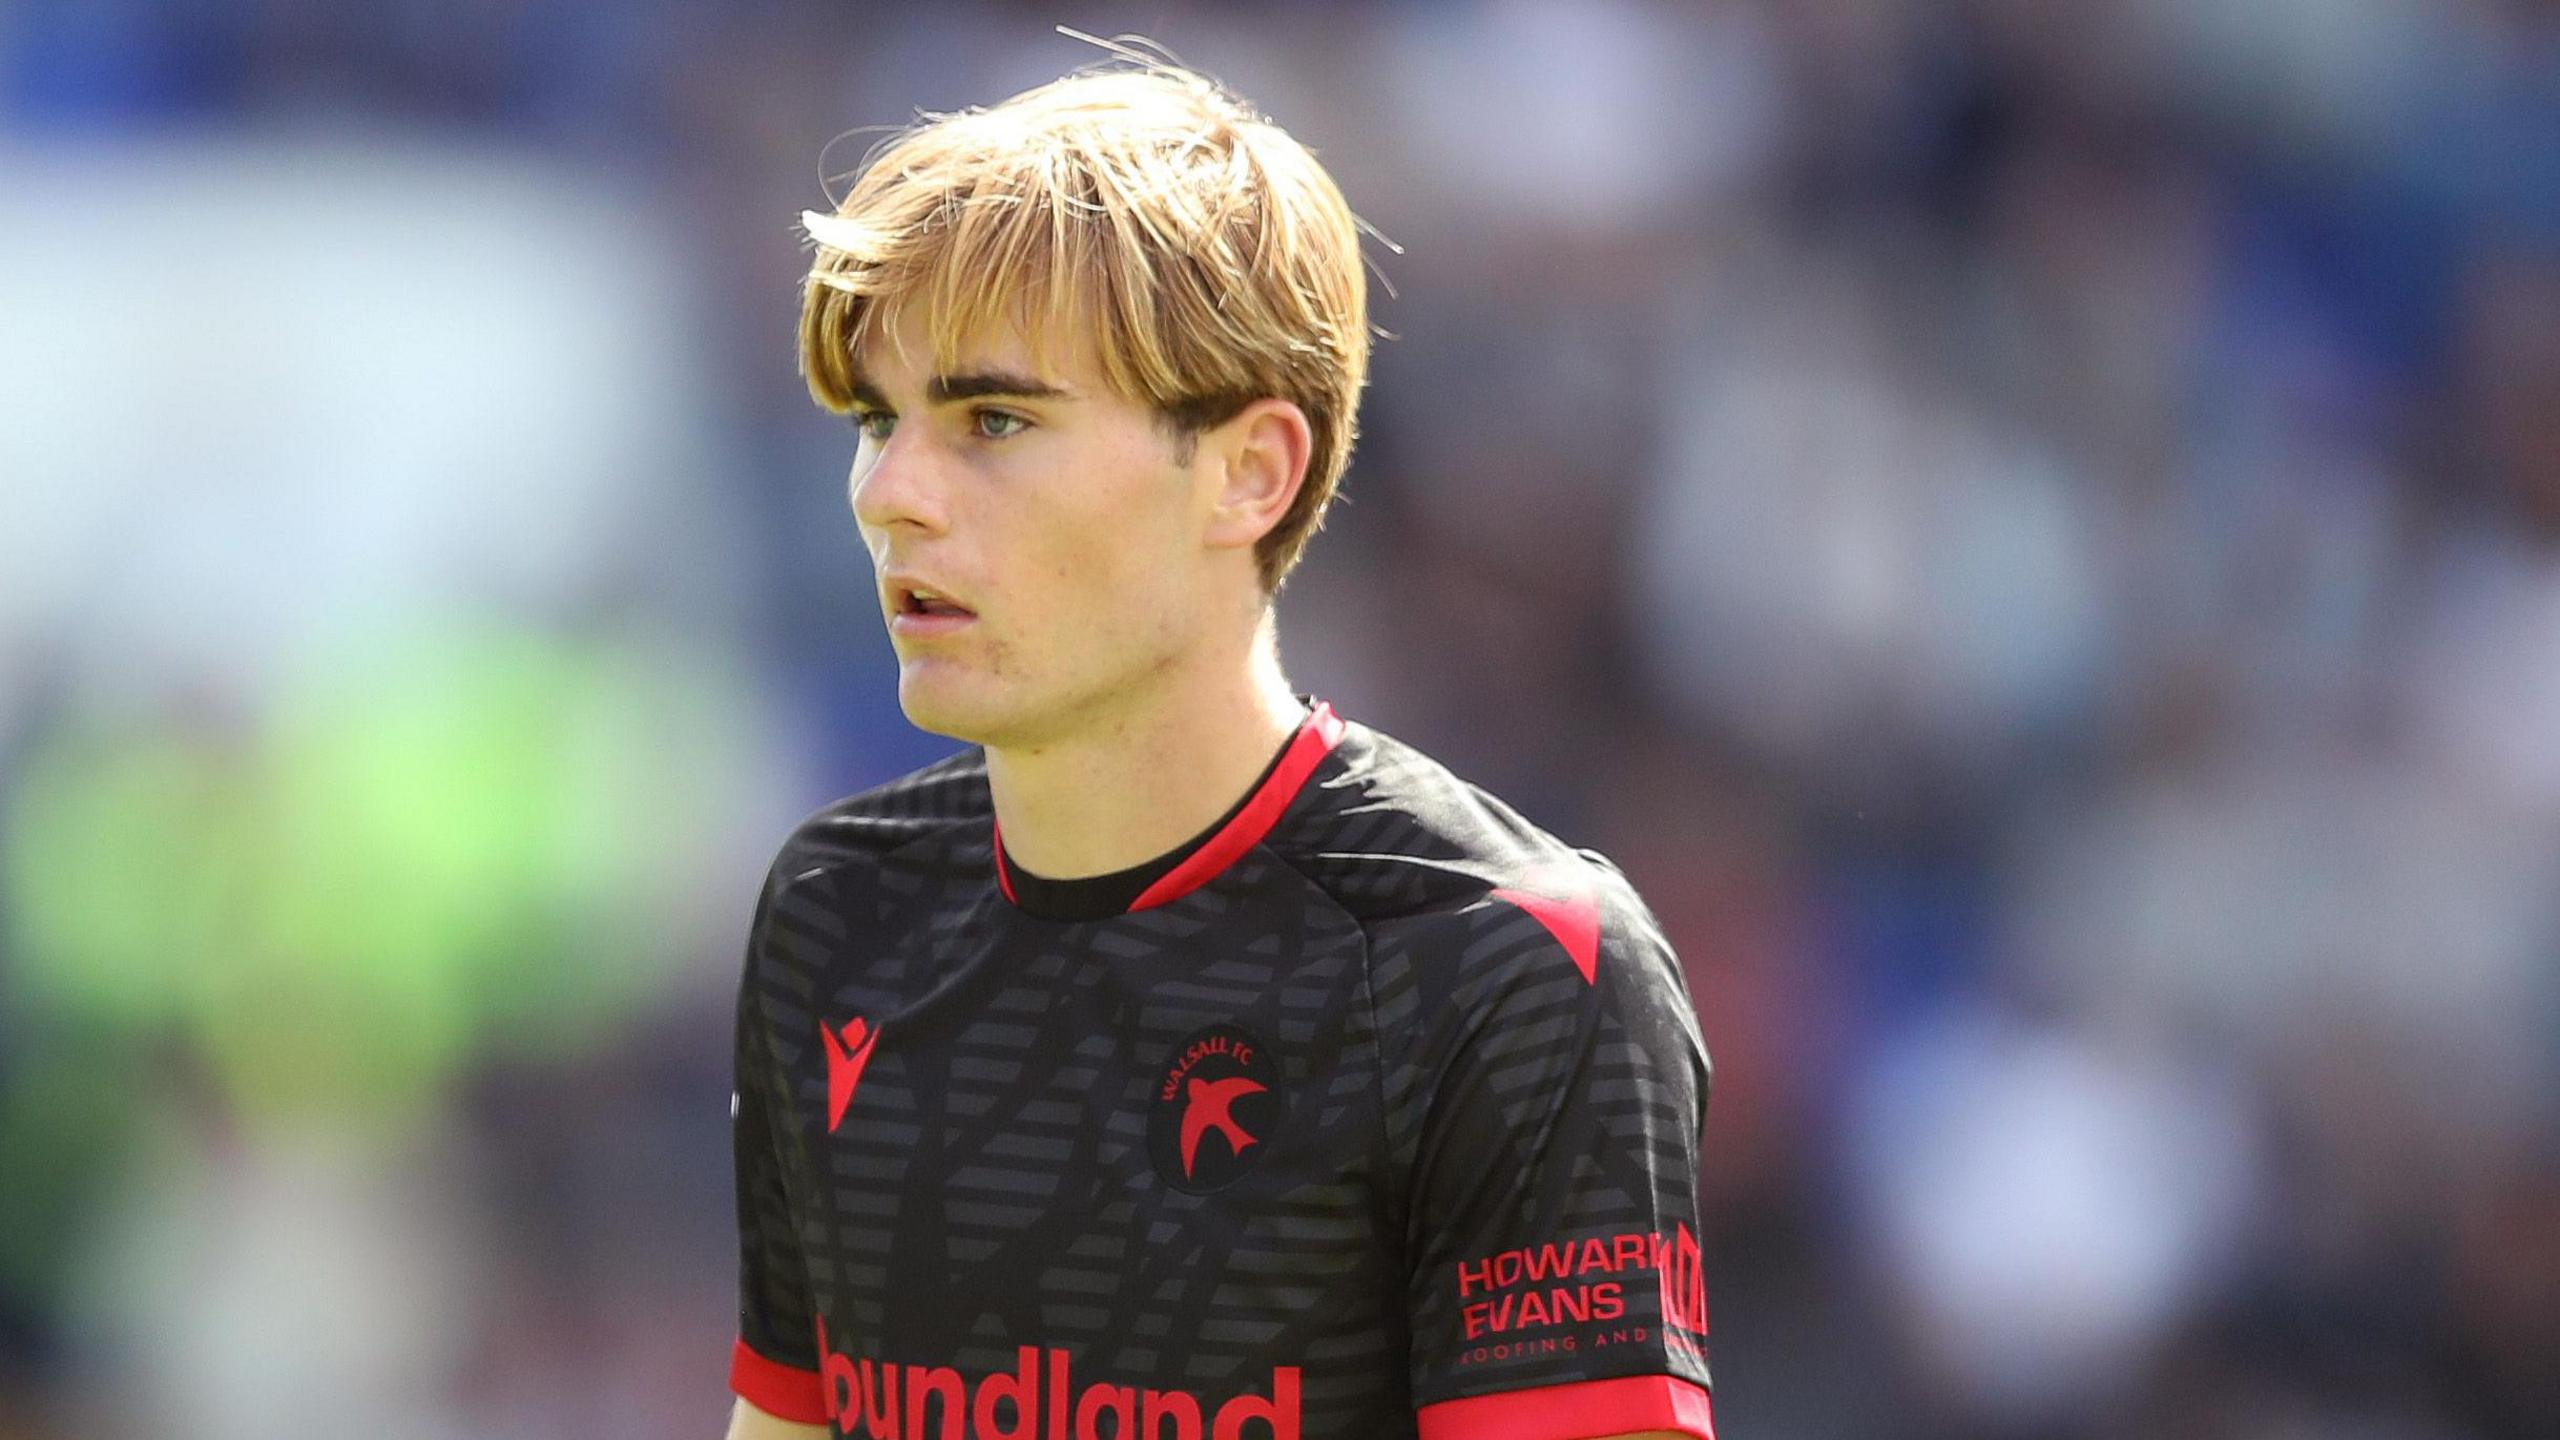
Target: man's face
[[1060, 522]]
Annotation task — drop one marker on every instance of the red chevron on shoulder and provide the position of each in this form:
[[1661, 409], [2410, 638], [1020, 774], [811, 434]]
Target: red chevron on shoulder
[[1564, 899]]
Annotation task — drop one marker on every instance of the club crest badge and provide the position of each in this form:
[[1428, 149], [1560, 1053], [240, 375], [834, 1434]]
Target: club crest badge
[[1215, 1106]]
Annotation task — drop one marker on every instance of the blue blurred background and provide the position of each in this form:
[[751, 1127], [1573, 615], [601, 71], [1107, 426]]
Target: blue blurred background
[[2031, 530]]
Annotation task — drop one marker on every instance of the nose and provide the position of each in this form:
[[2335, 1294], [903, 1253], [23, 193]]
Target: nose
[[894, 483]]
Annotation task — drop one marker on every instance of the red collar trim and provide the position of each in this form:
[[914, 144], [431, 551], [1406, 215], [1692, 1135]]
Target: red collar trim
[[1317, 735]]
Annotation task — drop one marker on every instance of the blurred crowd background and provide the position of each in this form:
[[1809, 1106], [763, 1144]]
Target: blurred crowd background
[[2032, 530]]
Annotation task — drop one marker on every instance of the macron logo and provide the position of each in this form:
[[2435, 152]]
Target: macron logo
[[845, 1058]]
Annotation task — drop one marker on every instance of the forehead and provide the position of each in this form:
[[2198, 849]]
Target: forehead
[[904, 349]]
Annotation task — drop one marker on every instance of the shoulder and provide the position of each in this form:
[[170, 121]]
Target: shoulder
[[861, 871], [946, 799], [1519, 982], [1452, 881]]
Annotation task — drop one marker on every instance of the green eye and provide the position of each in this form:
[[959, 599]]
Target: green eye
[[875, 424], [998, 424]]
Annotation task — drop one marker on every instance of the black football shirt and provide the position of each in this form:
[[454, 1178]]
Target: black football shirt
[[1372, 1111]]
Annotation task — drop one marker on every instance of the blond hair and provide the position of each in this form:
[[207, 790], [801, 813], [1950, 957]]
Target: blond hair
[[1212, 260]]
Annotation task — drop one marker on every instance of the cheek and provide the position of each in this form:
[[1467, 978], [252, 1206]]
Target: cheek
[[1117, 556], [1102, 569], [1065, 592], [1151, 574]]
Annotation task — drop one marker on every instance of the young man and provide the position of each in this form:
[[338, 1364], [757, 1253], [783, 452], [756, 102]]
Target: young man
[[1182, 1059]]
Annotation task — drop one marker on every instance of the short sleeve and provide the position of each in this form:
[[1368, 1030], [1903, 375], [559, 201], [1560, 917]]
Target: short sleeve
[[774, 1364], [1552, 1099]]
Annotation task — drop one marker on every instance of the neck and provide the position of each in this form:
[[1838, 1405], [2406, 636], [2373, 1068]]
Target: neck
[[1147, 776]]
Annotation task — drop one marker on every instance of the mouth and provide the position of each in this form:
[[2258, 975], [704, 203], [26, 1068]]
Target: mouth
[[915, 600], [920, 609]]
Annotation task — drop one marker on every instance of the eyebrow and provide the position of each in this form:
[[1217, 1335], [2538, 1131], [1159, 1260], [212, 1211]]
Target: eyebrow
[[967, 385]]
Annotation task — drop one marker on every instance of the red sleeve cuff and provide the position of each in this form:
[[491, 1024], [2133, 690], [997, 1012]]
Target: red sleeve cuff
[[782, 1391], [1581, 1408]]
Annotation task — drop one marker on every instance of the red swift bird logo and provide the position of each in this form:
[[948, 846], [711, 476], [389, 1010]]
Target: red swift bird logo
[[845, 1059], [1219, 1078], [1211, 1105]]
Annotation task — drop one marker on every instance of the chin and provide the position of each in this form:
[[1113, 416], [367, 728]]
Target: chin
[[974, 708], [959, 707], [936, 709]]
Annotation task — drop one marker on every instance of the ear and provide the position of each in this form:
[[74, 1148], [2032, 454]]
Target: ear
[[1256, 461]]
